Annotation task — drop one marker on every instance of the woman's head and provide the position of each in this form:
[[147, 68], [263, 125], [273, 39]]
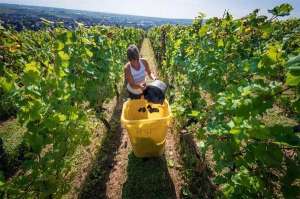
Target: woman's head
[[133, 53]]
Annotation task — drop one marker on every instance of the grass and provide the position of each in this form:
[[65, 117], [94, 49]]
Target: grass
[[276, 116], [12, 135]]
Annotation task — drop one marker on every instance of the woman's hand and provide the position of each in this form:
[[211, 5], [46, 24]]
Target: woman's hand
[[142, 85], [153, 76], [150, 73]]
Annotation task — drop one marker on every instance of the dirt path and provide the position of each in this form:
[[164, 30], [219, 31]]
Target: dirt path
[[172, 144], [117, 173], [148, 54]]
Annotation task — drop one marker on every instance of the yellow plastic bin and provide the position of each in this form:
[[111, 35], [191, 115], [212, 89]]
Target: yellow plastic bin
[[147, 130]]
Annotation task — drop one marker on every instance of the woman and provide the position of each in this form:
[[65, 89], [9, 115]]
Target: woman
[[135, 72]]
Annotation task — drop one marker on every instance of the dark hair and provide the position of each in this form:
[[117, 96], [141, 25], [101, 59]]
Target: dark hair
[[133, 52]]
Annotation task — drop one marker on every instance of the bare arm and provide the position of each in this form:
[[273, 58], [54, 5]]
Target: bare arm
[[150, 74], [130, 80]]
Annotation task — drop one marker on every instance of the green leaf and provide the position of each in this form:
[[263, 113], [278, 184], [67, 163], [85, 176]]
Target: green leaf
[[88, 52], [36, 142], [244, 178], [32, 67], [170, 163], [31, 73], [292, 80], [274, 52], [220, 43], [59, 45], [69, 35], [60, 117], [235, 131], [203, 31], [294, 69], [228, 190], [231, 124], [260, 133], [5, 84], [293, 60], [35, 110], [200, 144], [73, 115], [63, 56], [85, 40], [194, 113], [48, 186], [64, 64], [269, 155], [282, 10], [266, 30]]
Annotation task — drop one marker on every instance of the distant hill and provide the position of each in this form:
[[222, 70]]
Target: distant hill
[[23, 16]]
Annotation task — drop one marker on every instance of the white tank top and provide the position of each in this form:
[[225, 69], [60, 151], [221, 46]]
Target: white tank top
[[138, 77]]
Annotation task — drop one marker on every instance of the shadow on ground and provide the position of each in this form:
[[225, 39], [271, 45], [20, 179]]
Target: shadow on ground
[[95, 183], [198, 175], [148, 178]]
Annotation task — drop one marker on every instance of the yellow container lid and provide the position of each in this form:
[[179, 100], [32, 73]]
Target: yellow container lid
[[132, 112]]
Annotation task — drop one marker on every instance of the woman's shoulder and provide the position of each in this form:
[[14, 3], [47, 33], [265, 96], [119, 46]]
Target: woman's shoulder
[[127, 65]]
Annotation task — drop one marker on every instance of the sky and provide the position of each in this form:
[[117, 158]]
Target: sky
[[166, 8]]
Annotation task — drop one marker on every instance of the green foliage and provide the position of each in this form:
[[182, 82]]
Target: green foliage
[[56, 76], [226, 74], [282, 10]]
